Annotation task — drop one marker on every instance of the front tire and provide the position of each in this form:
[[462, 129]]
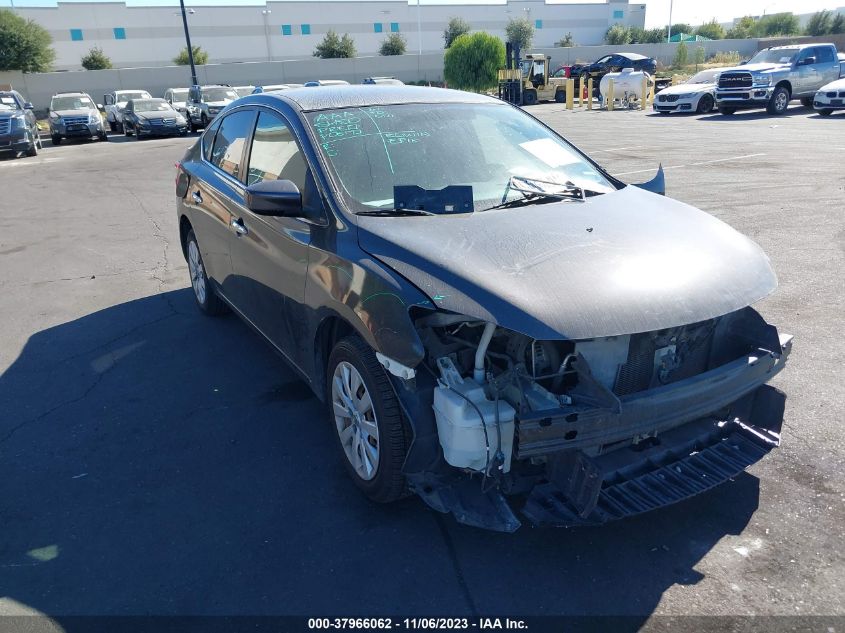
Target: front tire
[[56, 139], [705, 104], [825, 112], [207, 300], [529, 98], [372, 436], [807, 102], [727, 111], [778, 102]]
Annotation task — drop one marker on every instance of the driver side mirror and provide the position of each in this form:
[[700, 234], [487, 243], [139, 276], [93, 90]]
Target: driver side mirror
[[100, 107], [807, 61], [27, 106], [279, 198]]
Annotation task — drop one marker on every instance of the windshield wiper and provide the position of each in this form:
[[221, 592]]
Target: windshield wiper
[[533, 194], [385, 213]]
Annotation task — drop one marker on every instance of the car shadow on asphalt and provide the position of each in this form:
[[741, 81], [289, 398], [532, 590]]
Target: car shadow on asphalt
[[753, 115], [156, 461]]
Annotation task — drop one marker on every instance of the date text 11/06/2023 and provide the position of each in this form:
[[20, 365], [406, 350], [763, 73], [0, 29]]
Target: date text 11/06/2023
[[513, 624]]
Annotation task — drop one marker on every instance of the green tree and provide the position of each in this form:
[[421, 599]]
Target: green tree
[[618, 35], [742, 29], [520, 32], [566, 42], [473, 60], [681, 27], [454, 29], [681, 55], [395, 44], [838, 24], [24, 45], [819, 23], [200, 56], [711, 30], [334, 47], [96, 59], [777, 24], [700, 56], [654, 36]]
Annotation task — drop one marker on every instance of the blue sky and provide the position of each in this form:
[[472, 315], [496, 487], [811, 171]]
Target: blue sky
[[657, 11]]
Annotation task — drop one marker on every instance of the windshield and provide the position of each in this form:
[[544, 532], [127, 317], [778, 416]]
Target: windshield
[[218, 94], [370, 150], [71, 103], [7, 102], [123, 97], [179, 96], [151, 105], [777, 56], [243, 91], [704, 77]]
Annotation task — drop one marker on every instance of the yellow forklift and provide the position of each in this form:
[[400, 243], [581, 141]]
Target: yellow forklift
[[526, 81]]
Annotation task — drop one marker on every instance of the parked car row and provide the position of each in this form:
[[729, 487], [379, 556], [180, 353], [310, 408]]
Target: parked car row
[[770, 80]]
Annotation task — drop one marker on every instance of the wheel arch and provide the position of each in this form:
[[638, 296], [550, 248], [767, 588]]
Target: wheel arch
[[785, 83], [185, 227]]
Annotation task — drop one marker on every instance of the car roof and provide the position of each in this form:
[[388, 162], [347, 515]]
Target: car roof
[[71, 94], [633, 56], [330, 97]]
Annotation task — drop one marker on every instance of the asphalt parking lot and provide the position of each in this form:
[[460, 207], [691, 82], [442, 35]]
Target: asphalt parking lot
[[154, 461]]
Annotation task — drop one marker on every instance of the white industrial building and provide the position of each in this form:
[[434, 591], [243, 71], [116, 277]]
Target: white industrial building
[[135, 36]]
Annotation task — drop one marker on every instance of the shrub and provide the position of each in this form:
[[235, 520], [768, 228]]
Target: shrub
[[711, 30], [473, 60], [838, 24], [681, 55], [200, 56], [96, 59], [777, 24], [395, 44], [454, 29], [335, 47], [567, 42], [819, 23], [618, 35], [742, 29], [729, 58]]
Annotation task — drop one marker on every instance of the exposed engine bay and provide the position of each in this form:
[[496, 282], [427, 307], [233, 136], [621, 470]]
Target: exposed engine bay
[[517, 415]]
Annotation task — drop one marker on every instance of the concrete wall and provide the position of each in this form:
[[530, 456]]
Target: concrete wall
[[153, 35], [39, 87]]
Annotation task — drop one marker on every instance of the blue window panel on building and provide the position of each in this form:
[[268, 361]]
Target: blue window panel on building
[[618, 15], [76, 35], [306, 29], [377, 27], [119, 33], [394, 27], [538, 24], [286, 29]]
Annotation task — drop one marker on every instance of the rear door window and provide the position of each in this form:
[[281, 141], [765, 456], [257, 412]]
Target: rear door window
[[824, 55], [229, 142]]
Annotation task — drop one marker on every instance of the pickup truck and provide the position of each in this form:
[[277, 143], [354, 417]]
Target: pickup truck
[[775, 76], [115, 102]]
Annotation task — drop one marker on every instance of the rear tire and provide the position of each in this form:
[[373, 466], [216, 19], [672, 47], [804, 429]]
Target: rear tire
[[727, 111], [705, 104], [354, 376], [779, 101], [560, 96], [204, 294], [112, 126]]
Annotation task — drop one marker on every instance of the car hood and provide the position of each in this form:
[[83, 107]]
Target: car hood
[[839, 84], [625, 262], [758, 68], [80, 112], [682, 89], [217, 104], [159, 114]]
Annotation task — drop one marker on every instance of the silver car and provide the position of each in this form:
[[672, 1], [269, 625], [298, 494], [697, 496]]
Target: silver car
[[74, 115]]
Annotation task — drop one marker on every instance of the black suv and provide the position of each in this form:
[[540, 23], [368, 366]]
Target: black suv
[[18, 125]]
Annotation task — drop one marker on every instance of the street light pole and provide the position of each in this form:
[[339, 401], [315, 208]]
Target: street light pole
[[194, 81], [265, 13], [419, 27], [669, 34]]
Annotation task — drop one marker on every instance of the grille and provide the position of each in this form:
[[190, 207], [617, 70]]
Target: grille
[[842, 93], [735, 80], [75, 120], [669, 98], [5, 126], [154, 121], [171, 121], [830, 94], [635, 374]]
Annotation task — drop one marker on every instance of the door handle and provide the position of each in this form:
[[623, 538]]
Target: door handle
[[197, 197], [238, 225]]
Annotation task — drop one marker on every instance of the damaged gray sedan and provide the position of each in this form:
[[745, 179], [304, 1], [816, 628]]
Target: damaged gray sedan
[[494, 322]]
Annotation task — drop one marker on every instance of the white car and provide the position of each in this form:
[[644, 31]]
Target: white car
[[696, 94], [830, 97]]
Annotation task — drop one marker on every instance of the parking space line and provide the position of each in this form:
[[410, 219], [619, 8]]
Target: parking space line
[[699, 164]]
